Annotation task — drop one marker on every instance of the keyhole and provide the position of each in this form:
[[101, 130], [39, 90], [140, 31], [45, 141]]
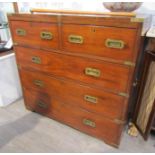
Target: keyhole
[[93, 30]]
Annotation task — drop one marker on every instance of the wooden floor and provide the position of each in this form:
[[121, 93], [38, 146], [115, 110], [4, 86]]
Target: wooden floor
[[24, 131]]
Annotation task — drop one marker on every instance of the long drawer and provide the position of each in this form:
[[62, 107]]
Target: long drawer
[[111, 42], [35, 34], [94, 100], [78, 118], [113, 77]]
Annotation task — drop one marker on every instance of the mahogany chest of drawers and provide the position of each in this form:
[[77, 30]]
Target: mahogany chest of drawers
[[78, 69]]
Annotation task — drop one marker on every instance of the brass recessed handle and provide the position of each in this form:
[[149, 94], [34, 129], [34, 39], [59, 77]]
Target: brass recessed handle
[[42, 104], [92, 72], [36, 60], [75, 39], [21, 32], [112, 43], [46, 35], [38, 83], [90, 98], [90, 123]]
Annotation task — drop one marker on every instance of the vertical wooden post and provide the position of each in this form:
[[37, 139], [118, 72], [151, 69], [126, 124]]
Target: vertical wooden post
[[15, 5]]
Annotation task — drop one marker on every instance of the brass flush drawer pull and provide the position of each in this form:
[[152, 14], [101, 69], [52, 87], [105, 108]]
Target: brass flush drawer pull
[[38, 83], [91, 99], [42, 104], [92, 72], [46, 35], [89, 123], [111, 43], [20, 32], [75, 39], [36, 60]]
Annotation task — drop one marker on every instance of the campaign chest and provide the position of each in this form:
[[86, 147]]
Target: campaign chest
[[78, 69]]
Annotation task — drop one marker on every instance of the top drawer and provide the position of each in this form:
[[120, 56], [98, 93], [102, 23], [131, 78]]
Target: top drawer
[[36, 34], [110, 42]]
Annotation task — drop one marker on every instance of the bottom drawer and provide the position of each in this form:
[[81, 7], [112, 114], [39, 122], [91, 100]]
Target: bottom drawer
[[97, 126]]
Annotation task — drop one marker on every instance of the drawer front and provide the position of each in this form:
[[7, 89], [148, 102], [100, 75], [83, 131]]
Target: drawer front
[[82, 120], [99, 102], [101, 74], [35, 34], [115, 43]]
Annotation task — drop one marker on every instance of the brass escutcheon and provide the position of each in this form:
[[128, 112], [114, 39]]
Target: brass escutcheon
[[46, 35], [21, 32], [112, 43], [91, 99], [89, 123], [38, 83], [36, 60], [92, 72], [75, 39], [42, 104]]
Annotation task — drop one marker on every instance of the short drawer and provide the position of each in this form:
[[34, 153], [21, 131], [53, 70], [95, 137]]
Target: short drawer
[[35, 34], [100, 127], [113, 77], [110, 42], [91, 99]]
